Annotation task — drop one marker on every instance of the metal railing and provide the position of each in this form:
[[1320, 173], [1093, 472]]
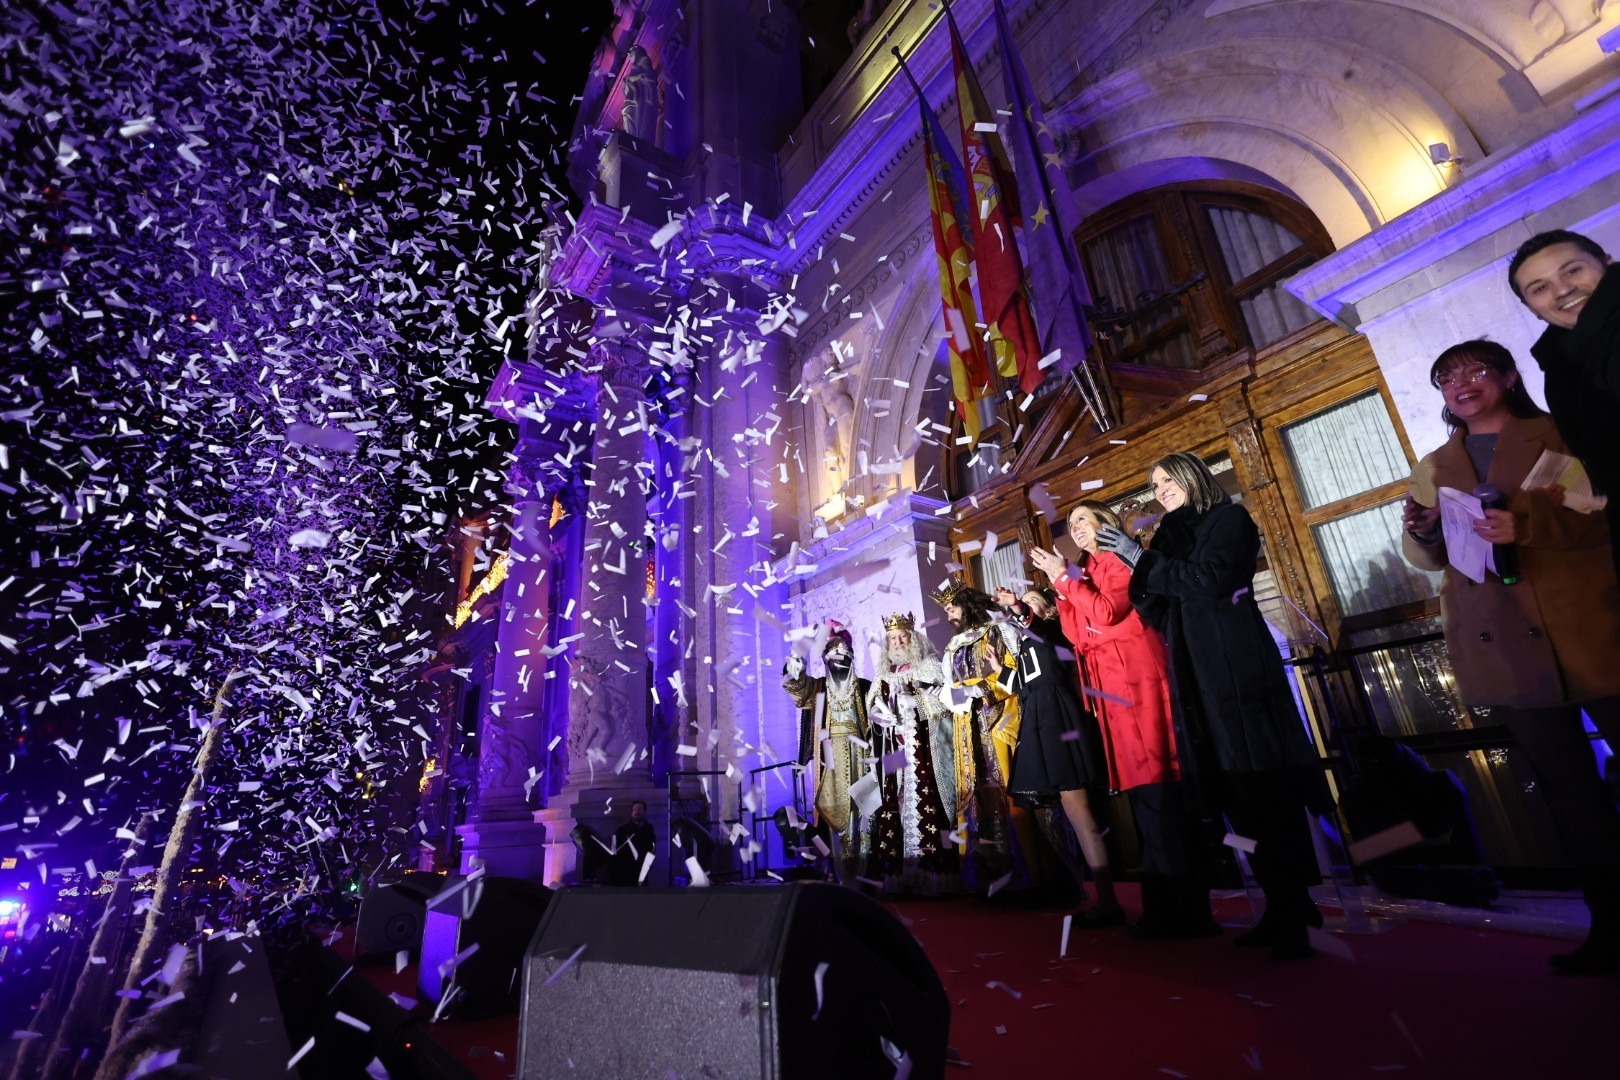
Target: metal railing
[[673, 778], [762, 825]]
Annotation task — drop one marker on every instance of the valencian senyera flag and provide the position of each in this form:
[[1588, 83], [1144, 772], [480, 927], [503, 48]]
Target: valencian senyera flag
[[1011, 335], [1055, 274], [947, 199]]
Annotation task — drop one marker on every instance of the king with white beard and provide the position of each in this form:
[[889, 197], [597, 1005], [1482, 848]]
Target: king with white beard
[[913, 743]]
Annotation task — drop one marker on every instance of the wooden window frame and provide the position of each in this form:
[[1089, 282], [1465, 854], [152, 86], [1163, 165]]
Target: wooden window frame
[[1307, 520], [1210, 311], [1139, 206]]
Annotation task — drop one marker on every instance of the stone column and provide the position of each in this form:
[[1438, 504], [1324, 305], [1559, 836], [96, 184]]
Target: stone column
[[737, 700], [501, 833], [608, 703]]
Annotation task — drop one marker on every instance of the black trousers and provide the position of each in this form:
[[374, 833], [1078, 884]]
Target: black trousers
[[1175, 879], [1167, 831], [1270, 809], [1581, 802]]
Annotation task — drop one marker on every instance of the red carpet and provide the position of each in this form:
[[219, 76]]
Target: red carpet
[[1421, 1001]]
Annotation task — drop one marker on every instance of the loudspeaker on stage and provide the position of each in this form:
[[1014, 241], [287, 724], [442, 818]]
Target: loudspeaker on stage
[[800, 980]]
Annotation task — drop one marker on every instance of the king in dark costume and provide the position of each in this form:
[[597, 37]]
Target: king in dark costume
[[834, 737]]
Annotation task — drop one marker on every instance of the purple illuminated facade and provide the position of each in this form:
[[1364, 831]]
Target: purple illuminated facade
[[743, 420]]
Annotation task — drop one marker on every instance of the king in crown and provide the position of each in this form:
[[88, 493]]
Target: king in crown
[[912, 730]]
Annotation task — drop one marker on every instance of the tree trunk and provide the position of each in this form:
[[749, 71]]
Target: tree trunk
[[75, 1031], [176, 854]]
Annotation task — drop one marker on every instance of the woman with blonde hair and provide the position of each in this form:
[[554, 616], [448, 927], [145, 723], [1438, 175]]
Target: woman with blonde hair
[[1241, 742], [1123, 665]]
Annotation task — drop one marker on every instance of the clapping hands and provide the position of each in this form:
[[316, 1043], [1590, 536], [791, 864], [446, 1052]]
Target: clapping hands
[[1049, 563]]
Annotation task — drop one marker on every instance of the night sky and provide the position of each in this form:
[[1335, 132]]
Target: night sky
[[271, 255]]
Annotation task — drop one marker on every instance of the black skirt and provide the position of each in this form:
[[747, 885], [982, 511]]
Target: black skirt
[[1060, 745]]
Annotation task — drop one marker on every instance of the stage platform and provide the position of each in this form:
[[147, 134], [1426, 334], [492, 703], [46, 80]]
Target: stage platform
[[1432, 993]]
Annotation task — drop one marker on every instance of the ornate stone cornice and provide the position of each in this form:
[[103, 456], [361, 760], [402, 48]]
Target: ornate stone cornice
[[1456, 233], [605, 243], [721, 239], [857, 536], [523, 391], [863, 155]]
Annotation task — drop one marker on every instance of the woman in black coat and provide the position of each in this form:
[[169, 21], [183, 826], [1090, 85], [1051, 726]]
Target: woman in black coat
[[1242, 744]]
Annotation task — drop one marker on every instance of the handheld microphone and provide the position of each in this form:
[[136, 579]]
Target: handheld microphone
[[1506, 556]]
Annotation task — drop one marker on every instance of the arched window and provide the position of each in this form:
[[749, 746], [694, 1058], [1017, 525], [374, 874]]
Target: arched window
[[1186, 274]]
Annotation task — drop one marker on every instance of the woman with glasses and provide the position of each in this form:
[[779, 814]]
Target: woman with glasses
[[1539, 651], [1239, 736]]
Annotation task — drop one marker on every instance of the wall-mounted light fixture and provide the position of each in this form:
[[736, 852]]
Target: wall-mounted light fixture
[[1440, 153]]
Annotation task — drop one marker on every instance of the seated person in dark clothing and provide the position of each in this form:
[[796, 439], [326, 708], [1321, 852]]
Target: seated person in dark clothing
[[631, 844]]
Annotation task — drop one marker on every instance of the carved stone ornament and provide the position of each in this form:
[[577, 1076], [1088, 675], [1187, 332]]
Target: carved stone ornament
[[812, 335], [639, 115], [623, 365], [503, 759]]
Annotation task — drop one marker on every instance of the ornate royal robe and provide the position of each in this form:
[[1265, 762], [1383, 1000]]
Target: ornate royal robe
[[987, 724], [913, 734], [833, 741]]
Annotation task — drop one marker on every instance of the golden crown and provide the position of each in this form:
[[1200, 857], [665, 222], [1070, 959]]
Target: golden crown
[[898, 621], [949, 590]]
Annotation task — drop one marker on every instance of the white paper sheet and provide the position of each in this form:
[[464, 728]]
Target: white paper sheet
[[1465, 549], [1570, 474], [866, 794]]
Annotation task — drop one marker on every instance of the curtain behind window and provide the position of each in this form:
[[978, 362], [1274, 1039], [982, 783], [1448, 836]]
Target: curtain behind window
[[1004, 567], [1249, 243], [1128, 265], [1362, 552], [1345, 450]]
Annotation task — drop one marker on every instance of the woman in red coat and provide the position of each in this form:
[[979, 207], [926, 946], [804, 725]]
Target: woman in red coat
[[1124, 668]]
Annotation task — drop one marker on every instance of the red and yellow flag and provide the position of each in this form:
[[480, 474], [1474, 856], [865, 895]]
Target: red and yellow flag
[[947, 190], [1013, 339]]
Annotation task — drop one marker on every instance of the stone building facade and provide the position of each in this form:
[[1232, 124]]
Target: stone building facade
[[737, 400]]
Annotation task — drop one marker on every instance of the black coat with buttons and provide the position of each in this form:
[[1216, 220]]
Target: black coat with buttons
[[1553, 638], [1234, 709]]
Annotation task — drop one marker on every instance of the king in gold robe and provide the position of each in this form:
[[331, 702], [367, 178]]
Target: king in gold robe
[[979, 660]]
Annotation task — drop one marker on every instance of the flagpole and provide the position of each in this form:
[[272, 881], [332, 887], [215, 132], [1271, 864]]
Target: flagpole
[[972, 391], [1033, 141]]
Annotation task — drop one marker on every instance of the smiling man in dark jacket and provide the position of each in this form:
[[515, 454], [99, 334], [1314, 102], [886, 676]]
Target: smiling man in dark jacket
[[1570, 283]]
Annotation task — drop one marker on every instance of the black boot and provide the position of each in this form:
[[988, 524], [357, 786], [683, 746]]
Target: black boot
[[1174, 908], [1290, 928], [1599, 954], [1264, 932]]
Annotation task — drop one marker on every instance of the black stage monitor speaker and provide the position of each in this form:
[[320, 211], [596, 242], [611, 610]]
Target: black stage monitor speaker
[[498, 915], [803, 980], [391, 916]]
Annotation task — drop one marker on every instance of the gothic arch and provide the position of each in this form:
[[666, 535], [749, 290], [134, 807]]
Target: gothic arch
[[906, 353]]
